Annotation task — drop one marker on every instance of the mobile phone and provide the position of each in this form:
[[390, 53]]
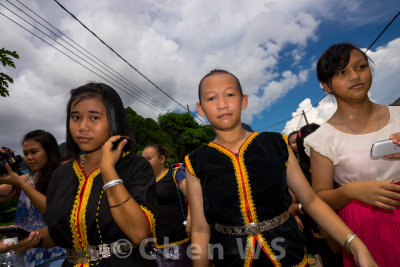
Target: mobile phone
[[14, 231], [383, 148]]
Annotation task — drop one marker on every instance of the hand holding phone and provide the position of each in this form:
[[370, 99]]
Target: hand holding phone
[[14, 231], [384, 148]]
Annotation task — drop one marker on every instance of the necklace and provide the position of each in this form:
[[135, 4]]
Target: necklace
[[351, 129]]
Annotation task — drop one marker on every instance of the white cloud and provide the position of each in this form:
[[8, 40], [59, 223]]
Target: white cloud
[[173, 43]]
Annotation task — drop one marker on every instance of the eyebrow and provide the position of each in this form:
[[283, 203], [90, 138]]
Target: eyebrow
[[90, 111]]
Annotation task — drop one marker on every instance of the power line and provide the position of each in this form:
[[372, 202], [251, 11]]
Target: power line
[[77, 61], [387, 26], [140, 73], [125, 80]]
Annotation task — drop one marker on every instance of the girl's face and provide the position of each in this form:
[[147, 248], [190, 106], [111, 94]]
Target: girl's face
[[88, 124], [35, 155], [221, 101], [157, 162], [353, 81]]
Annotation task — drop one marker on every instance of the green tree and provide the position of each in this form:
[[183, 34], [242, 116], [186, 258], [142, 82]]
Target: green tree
[[187, 134], [6, 58]]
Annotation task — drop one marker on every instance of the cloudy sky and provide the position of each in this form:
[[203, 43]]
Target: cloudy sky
[[271, 45]]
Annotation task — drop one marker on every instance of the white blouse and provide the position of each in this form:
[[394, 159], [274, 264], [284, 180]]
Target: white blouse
[[351, 153]]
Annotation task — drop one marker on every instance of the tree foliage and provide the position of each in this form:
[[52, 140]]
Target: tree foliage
[[6, 58], [178, 131]]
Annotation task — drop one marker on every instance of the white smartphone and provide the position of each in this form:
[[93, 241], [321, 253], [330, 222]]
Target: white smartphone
[[383, 148]]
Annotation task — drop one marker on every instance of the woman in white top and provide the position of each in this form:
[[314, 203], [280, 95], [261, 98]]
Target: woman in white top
[[368, 196]]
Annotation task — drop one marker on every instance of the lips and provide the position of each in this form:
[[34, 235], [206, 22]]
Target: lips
[[83, 139], [357, 86], [225, 115]]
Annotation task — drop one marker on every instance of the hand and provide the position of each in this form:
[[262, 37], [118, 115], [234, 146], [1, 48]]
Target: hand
[[396, 140], [23, 245], [383, 194], [3, 151], [12, 178], [299, 223], [110, 157]]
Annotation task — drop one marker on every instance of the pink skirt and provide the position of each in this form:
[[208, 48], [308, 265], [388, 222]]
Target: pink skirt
[[378, 228]]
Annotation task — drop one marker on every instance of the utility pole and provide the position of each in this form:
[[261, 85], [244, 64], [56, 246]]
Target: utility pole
[[305, 117]]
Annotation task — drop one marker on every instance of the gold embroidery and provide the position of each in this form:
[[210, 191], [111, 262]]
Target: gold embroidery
[[287, 145], [150, 217], [190, 167], [250, 249], [162, 175], [269, 251], [303, 263], [171, 244], [80, 204]]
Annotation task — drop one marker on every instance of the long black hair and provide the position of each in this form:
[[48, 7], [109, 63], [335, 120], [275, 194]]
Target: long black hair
[[116, 115], [304, 159], [50, 146]]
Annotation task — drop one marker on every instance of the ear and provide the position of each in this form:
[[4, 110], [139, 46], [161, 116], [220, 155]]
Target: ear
[[200, 109], [162, 159], [245, 101], [326, 88]]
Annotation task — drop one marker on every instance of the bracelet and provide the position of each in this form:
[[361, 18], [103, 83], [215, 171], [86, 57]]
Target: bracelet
[[112, 183], [300, 209], [122, 203], [348, 240]]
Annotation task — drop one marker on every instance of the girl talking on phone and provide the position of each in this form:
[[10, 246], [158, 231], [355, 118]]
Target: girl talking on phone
[[368, 196]]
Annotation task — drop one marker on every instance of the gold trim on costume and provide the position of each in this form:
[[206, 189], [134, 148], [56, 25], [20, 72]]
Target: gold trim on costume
[[162, 175], [303, 262], [190, 167], [242, 178], [150, 217], [287, 146], [250, 250], [80, 205]]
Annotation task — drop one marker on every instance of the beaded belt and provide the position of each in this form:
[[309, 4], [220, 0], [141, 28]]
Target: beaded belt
[[253, 228], [121, 248]]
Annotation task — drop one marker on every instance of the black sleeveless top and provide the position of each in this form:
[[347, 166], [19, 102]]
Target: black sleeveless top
[[248, 187], [169, 219]]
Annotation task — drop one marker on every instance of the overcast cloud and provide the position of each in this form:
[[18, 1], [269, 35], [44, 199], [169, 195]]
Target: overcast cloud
[[174, 43]]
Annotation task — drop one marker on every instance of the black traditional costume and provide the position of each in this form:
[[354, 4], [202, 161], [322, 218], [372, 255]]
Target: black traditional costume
[[245, 202], [171, 240], [79, 218]]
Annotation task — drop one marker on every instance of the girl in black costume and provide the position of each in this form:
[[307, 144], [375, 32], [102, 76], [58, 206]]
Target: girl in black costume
[[238, 190], [99, 205]]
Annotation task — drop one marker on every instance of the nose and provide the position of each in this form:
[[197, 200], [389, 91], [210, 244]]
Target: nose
[[84, 125], [222, 103], [353, 75]]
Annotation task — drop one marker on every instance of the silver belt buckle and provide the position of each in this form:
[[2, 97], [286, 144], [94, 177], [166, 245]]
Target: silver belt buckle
[[251, 229]]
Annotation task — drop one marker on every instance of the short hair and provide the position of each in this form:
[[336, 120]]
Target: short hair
[[161, 150], [50, 146], [116, 115], [219, 71], [335, 58]]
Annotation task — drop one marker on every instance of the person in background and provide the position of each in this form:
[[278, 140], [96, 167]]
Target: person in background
[[292, 142], [368, 196], [100, 205], [171, 238], [42, 156], [238, 190]]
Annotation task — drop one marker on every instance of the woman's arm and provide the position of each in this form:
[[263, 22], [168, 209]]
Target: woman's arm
[[182, 187], [378, 193], [126, 212], [37, 198], [323, 214], [200, 229]]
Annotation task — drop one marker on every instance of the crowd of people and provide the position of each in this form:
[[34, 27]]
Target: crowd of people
[[244, 199]]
